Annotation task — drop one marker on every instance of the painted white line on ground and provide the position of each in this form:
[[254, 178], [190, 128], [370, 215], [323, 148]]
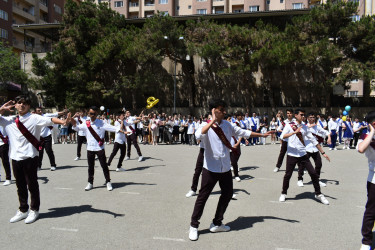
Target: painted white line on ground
[[64, 188], [65, 229], [129, 193], [287, 202], [169, 239]]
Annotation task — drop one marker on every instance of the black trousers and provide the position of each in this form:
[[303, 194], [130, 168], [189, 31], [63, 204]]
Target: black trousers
[[209, 180], [369, 215], [355, 139], [291, 162], [80, 141], [318, 165], [48, 147], [26, 174], [116, 147], [103, 164], [234, 161], [284, 147], [133, 139], [198, 170], [4, 154]]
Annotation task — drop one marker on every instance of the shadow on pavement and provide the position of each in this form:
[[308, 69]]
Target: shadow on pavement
[[151, 158], [310, 196], [248, 168], [44, 179], [144, 167], [69, 167], [123, 184], [67, 211], [235, 191]]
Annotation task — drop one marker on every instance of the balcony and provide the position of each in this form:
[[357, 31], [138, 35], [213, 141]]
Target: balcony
[[218, 3], [149, 3], [43, 7], [23, 13], [31, 2]]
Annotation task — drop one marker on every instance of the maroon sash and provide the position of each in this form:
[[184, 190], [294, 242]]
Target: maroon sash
[[30, 137], [93, 133], [318, 138], [4, 138], [50, 127], [219, 132], [299, 134], [372, 143], [79, 120]]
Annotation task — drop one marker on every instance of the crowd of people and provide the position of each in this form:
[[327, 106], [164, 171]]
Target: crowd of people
[[25, 136]]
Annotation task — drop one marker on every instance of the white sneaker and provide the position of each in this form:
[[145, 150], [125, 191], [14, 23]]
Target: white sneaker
[[109, 186], [7, 182], [127, 158], [276, 170], [77, 158], [237, 179], [53, 168], [365, 247], [344, 147], [234, 196], [221, 228], [322, 184], [282, 198], [33, 216], [140, 158], [19, 216], [300, 183], [190, 194], [231, 168], [89, 187], [335, 149], [322, 199], [120, 170], [330, 149], [193, 233], [348, 148]]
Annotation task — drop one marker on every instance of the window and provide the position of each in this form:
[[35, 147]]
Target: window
[[201, 11], [201, 0], [165, 13], [281, 1], [4, 34], [57, 9], [178, 8], [119, 4], [163, 1], [356, 18], [189, 7], [254, 8], [238, 11], [297, 6], [133, 4], [352, 93], [268, 2], [355, 81], [4, 15]]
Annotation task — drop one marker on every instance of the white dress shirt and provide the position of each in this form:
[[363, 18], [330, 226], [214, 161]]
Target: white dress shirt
[[216, 154], [4, 134], [295, 146], [83, 119], [191, 128], [99, 127], [322, 124], [46, 131], [333, 125], [370, 154], [317, 130], [120, 137], [204, 123], [19, 147], [130, 123], [356, 127]]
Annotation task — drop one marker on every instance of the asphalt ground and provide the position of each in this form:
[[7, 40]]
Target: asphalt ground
[[147, 208]]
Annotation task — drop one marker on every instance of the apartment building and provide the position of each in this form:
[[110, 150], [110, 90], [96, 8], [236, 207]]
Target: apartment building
[[13, 12]]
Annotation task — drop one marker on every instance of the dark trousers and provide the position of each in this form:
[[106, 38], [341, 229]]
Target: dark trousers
[[291, 162], [116, 147], [318, 165], [80, 141], [4, 155], [191, 139], [284, 147], [198, 170], [103, 164], [161, 134], [133, 139], [369, 215], [234, 161], [47, 145], [340, 134], [355, 139], [209, 180], [26, 174], [254, 139], [333, 139]]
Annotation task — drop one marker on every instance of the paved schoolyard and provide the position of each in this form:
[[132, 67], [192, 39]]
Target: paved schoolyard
[[148, 210]]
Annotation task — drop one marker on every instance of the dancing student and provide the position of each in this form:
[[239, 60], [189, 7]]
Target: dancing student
[[366, 145], [216, 166], [24, 132], [296, 134], [131, 137], [284, 143], [235, 142]]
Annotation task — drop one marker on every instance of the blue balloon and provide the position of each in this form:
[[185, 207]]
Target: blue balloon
[[348, 108], [345, 112]]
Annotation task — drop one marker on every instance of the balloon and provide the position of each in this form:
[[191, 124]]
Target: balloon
[[344, 118], [151, 101], [102, 108], [345, 112], [348, 108]]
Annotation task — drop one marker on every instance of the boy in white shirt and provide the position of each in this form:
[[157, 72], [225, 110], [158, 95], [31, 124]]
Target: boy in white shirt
[[190, 131], [367, 145]]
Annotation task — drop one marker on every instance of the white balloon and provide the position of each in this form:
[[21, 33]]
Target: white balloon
[[102, 108]]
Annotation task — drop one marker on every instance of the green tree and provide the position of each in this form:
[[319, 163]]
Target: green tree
[[10, 70]]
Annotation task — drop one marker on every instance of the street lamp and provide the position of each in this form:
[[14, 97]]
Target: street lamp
[[174, 76]]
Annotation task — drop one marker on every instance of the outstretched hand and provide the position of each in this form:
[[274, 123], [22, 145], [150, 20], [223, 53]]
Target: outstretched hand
[[269, 133], [8, 106], [327, 157], [68, 119]]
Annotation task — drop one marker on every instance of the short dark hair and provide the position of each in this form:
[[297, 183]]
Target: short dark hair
[[311, 114], [217, 103], [95, 108], [297, 110], [334, 115], [121, 113], [238, 113], [206, 115], [370, 117], [25, 99], [290, 110], [226, 117]]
